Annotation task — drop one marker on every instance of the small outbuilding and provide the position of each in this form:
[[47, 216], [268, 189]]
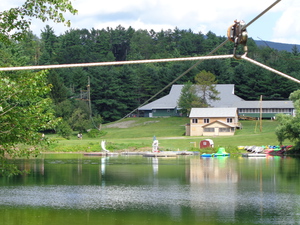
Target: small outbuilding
[[207, 143]]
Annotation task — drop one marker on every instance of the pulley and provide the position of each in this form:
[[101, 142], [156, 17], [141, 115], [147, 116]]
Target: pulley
[[237, 34]]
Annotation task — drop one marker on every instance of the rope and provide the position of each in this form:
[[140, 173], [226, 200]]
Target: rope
[[262, 13], [270, 69], [113, 63]]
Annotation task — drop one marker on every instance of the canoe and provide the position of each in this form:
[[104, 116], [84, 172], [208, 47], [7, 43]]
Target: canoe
[[207, 155], [221, 154]]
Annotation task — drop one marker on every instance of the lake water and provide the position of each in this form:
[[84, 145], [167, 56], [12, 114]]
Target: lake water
[[74, 189]]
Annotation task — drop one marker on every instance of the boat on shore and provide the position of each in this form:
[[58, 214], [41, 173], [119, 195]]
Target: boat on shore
[[278, 151]]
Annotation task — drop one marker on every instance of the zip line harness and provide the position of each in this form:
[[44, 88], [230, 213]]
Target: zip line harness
[[237, 34]]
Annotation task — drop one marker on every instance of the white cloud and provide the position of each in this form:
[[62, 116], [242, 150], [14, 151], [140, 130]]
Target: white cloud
[[287, 28]]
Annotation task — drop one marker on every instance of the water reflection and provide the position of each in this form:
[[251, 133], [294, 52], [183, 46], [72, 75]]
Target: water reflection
[[213, 170], [187, 190]]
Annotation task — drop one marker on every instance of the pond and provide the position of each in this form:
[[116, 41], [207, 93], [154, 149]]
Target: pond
[[75, 189]]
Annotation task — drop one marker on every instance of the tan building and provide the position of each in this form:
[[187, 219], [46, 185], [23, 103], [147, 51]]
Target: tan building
[[212, 122]]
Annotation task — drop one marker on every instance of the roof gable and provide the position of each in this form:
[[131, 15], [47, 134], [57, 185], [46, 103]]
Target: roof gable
[[220, 122]]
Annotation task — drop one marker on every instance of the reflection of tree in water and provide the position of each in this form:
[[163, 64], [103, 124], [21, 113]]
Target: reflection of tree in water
[[289, 168]]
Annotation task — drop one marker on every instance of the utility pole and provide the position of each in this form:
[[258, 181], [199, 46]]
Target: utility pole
[[260, 112], [89, 95]]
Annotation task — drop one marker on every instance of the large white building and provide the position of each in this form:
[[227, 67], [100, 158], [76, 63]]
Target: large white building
[[168, 105]]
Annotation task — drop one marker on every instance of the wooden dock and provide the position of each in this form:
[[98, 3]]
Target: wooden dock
[[160, 154], [254, 155], [100, 154]]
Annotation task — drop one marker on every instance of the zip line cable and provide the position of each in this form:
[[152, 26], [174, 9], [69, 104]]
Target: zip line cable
[[130, 62], [43, 67], [270, 69], [200, 59], [262, 13]]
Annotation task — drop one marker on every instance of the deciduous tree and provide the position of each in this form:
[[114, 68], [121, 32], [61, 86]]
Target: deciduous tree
[[25, 106], [289, 126], [15, 22], [25, 111]]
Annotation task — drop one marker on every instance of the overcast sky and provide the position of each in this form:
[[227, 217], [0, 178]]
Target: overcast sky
[[280, 24]]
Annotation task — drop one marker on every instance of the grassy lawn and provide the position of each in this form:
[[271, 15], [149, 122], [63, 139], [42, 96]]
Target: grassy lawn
[[138, 133]]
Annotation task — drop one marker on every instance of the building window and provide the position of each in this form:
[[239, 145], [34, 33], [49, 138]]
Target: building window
[[209, 129], [229, 120], [224, 129], [194, 120], [154, 110], [206, 120]]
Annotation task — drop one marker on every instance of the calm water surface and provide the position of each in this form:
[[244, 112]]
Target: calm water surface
[[74, 189]]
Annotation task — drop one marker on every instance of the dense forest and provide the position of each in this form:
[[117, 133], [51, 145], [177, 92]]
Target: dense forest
[[117, 90]]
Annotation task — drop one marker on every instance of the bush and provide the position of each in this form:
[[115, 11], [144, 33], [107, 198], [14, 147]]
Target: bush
[[93, 133], [64, 130]]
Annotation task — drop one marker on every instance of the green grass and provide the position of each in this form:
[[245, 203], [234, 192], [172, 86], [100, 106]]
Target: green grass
[[170, 134], [148, 127]]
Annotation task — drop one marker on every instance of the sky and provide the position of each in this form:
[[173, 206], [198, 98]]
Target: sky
[[280, 24]]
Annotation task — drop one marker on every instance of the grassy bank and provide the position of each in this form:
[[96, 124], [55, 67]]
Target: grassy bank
[[136, 134]]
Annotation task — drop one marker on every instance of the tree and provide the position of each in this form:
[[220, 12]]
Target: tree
[[189, 99], [289, 126], [79, 120], [205, 83], [15, 22], [25, 111], [295, 50], [64, 129], [58, 91], [25, 108], [49, 46]]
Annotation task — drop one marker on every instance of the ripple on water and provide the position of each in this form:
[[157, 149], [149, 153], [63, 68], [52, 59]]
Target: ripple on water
[[119, 197]]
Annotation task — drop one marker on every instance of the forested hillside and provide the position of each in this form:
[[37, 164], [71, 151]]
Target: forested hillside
[[117, 90], [278, 46]]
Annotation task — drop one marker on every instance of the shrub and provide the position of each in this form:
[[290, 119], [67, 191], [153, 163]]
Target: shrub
[[93, 133]]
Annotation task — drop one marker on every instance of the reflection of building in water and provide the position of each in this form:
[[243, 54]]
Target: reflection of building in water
[[212, 170], [214, 184], [155, 165]]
